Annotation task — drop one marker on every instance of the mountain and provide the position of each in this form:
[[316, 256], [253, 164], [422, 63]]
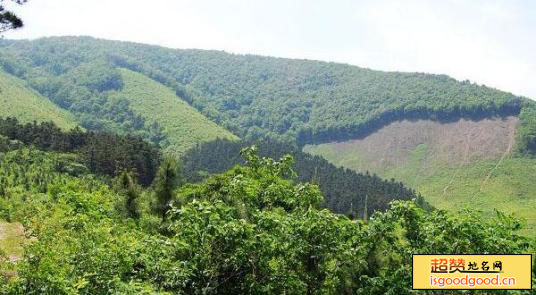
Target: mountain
[[253, 96], [106, 98], [18, 100], [107, 210], [456, 142]]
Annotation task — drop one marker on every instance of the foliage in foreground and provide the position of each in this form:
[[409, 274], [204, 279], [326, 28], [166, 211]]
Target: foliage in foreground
[[345, 191], [247, 231]]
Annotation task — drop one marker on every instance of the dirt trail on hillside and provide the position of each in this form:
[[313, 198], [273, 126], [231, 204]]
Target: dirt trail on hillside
[[507, 152], [464, 162]]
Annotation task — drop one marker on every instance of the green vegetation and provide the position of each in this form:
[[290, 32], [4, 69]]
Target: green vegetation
[[11, 239], [527, 132], [125, 156], [345, 191], [486, 185], [182, 126], [102, 153], [95, 93], [166, 181], [104, 214], [17, 99], [254, 97], [509, 188], [247, 231]]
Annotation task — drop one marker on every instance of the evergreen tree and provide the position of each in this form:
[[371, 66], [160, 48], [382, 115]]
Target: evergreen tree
[[344, 190], [166, 181], [102, 152], [129, 189]]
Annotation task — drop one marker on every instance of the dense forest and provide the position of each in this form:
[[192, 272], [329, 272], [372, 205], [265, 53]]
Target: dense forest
[[254, 97], [101, 152], [344, 190], [108, 154], [250, 230], [527, 131]]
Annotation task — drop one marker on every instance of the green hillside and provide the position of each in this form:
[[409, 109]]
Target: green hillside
[[255, 97], [454, 166], [183, 126], [508, 187], [17, 100], [482, 185]]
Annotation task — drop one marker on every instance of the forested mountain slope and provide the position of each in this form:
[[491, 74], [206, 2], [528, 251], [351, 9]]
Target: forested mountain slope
[[109, 155], [16, 99], [107, 98], [253, 96], [345, 191], [114, 86]]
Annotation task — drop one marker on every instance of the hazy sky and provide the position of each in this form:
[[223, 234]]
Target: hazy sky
[[486, 41]]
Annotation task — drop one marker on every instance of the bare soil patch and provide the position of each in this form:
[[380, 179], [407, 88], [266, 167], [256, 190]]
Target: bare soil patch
[[457, 143]]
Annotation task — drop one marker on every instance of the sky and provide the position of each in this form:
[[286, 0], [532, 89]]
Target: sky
[[489, 42]]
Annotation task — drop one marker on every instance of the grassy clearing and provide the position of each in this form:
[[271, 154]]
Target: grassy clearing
[[510, 188], [17, 100], [183, 126], [11, 239]]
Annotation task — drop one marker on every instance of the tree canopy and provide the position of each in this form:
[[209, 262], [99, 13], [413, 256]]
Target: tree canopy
[[102, 152], [255, 97], [345, 191], [249, 230]]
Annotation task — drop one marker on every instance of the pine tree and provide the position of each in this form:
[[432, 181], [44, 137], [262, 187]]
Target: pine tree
[[166, 181], [129, 189], [365, 209]]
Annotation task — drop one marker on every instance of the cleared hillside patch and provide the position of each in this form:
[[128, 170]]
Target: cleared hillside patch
[[397, 144], [454, 165], [18, 100], [183, 126], [11, 240]]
